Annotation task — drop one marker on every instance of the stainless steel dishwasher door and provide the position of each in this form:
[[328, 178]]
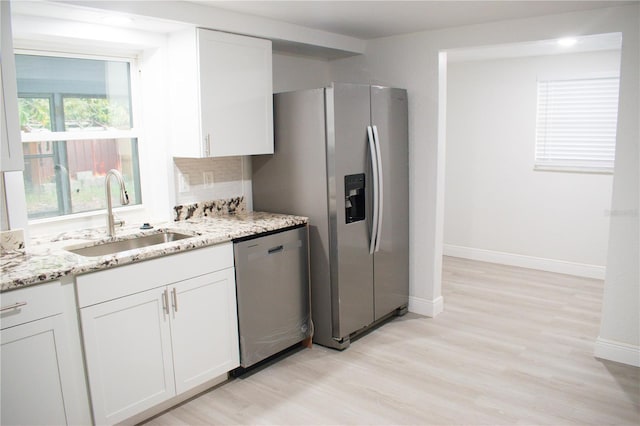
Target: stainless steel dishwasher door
[[272, 281]]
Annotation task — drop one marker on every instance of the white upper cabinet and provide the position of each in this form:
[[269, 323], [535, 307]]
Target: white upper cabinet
[[11, 155], [221, 94]]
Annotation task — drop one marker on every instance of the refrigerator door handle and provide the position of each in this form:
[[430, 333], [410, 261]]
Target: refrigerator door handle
[[380, 185], [374, 166]]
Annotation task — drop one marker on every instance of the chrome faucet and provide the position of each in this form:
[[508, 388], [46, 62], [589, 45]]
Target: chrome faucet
[[124, 200]]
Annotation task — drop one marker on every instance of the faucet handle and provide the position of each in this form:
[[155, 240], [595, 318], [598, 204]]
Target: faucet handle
[[118, 222]]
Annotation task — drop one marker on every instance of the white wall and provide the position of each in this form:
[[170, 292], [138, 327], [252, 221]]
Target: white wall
[[494, 200], [411, 61], [294, 72], [619, 338]]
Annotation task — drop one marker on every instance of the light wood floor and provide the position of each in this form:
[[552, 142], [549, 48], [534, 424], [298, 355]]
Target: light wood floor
[[514, 346]]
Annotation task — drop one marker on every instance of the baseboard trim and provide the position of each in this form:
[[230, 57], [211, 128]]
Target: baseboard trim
[[426, 307], [531, 262], [617, 351]]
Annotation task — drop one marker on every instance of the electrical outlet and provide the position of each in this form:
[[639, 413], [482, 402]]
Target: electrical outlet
[[183, 183], [207, 179]]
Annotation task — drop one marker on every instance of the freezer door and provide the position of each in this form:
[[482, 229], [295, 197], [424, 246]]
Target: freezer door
[[391, 261], [348, 115]]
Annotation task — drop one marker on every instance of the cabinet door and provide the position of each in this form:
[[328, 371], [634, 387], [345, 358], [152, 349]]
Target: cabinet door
[[10, 142], [31, 385], [204, 328], [128, 351], [236, 94]]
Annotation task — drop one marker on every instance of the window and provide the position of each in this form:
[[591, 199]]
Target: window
[[76, 123], [576, 124]]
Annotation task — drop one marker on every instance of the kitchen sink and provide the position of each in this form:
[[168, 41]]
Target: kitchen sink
[[112, 247]]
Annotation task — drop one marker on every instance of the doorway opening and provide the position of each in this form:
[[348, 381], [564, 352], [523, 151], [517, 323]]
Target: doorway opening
[[498, 206]]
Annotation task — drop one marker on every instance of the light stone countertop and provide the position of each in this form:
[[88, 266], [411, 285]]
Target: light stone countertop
[[45, 258]]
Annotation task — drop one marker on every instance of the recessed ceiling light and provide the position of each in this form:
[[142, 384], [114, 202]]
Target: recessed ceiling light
[[117, 20], [567, 41]]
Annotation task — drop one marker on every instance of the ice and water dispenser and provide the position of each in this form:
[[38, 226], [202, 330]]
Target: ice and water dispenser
[[354, 202]]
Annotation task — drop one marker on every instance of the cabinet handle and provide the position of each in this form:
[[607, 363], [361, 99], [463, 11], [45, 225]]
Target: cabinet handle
[[165, 301], [175, 299], [14, 306], [277, 249]]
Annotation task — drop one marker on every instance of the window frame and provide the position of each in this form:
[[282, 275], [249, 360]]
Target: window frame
[[135, 131], [539, 165]]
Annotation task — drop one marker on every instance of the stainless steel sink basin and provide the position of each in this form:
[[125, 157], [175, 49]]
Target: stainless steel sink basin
[[102, 249]]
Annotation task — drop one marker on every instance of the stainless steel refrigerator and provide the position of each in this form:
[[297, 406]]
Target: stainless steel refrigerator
[[341, 158]]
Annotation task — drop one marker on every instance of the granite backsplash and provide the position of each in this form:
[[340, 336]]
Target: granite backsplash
[[212, 208]]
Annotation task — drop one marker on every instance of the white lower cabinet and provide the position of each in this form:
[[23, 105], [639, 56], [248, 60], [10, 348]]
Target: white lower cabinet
[[31, 386], [145, 348], [204, 317], [40, 380], [127, 344]]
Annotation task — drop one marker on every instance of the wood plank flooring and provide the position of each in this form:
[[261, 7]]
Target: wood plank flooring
[[513, 346]]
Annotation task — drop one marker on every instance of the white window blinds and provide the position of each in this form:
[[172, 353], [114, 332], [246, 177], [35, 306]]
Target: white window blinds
[[576, 124]]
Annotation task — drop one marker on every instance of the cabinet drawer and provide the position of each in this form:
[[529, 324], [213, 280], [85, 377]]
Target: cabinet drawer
[[31, 303], [98, 287]]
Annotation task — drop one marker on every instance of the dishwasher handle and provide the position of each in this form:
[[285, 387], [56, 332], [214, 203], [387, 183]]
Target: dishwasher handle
[[253, 250], [276, 249]]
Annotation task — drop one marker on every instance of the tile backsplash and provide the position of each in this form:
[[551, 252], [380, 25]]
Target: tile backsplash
[[200, 179]]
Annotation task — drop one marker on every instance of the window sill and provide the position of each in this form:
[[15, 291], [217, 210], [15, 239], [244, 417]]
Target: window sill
[[92, 219], [583, 170], [79, 216]]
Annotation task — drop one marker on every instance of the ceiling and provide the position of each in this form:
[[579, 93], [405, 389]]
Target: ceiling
[[590, 43], [373, 19], [358, 19]]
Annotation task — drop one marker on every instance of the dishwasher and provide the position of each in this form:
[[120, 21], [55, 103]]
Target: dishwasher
[[272, 285]]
